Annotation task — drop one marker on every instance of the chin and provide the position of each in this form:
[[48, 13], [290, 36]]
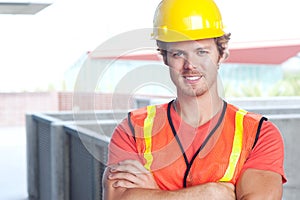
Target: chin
[[194, 93]]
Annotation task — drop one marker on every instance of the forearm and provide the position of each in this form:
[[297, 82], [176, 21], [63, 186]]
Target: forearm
[[207, 191], [147, 194], [200, 192], [111, 192], [130, 180]]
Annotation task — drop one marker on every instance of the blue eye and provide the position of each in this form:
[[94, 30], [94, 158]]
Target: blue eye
[[202, 52], [177, 54]]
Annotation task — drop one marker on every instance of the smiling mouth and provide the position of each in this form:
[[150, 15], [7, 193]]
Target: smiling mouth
[[192, 78]]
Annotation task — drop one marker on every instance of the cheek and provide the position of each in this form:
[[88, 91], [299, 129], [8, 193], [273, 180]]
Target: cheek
[[175, 67], [175, 63], [209, 64], [173, 73]]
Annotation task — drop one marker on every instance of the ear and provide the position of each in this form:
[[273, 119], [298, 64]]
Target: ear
[[225, 53], [163, 54], [165, 60]]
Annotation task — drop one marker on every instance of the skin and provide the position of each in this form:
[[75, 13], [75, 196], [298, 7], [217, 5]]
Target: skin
[[129, 180], [193, 69]]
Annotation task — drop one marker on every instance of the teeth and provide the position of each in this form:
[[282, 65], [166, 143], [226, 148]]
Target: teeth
[[192, 78]]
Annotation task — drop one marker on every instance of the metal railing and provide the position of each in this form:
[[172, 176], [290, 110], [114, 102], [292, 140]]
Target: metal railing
[[51, 161]]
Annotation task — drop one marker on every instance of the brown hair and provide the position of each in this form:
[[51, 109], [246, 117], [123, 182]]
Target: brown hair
[[222, 42]]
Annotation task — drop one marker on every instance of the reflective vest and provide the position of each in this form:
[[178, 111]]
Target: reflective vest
[[175, 158]]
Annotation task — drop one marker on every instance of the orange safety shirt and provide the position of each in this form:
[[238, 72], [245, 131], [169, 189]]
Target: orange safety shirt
[[179, 155]]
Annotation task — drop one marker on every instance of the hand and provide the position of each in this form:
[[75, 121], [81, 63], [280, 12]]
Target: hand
[[222, 190], [131, 174]]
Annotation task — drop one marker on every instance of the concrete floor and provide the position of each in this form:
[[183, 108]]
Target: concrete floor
[[13, 184]]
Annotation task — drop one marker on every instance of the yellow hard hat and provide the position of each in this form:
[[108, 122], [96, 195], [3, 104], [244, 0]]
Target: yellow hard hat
[[182, 20]]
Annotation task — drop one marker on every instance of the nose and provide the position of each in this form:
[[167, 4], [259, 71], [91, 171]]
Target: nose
[[188, 64]]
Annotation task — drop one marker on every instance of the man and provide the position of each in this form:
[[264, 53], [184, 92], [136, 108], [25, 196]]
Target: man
[[197, 146]]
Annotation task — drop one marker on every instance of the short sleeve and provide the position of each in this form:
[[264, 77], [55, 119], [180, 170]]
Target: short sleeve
[[122, 144], [268, 153]]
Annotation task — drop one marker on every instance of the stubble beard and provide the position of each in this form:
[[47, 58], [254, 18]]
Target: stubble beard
[[192, 90], [195, 92]]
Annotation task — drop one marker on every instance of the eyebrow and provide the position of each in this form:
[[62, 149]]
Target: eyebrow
[[172, 50], [197, 49]]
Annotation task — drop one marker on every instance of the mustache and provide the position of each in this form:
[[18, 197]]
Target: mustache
[[192, 73]]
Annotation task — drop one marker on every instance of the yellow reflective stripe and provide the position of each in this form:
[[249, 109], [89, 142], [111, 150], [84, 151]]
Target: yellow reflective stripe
[[236, 147], [148, 124]]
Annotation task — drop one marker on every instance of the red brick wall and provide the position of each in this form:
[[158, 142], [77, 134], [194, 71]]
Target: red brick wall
[[14, 106], [94, 101]]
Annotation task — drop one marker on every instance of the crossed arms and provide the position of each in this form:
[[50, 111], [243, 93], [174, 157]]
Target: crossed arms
[[130, 180]]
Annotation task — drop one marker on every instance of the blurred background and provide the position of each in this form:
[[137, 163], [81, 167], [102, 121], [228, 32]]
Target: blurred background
[[44, 45]]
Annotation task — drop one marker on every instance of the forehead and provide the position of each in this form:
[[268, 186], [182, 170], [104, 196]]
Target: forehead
[[193, 44]]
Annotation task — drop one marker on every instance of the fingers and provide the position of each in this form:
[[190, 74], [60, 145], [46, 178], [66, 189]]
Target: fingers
[[131, 174], [229, 185], [229, 189], [122, 175], [131, 166], [126, 180], [125, 174], [124, 184]]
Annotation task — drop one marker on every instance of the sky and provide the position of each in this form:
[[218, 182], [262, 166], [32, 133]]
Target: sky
[[36, 50]]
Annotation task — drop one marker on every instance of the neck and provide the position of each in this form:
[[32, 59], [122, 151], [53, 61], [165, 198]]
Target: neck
[[198, 110]]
